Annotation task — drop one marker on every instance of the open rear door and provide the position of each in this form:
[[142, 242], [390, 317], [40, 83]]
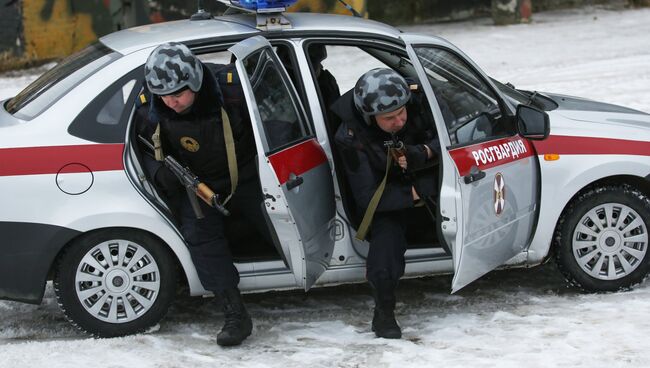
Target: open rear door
[[491, 178], [295, 174]]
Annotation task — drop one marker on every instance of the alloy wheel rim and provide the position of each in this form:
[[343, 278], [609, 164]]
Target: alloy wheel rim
[[117, 281], [610, 241]]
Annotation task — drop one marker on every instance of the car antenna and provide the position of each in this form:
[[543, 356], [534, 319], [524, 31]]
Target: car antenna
[[201, 14], [351, 9]]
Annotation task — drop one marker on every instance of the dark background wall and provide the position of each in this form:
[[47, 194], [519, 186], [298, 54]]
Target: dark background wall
[[422, 11], [33, 31], [11, 40], [409, 11]]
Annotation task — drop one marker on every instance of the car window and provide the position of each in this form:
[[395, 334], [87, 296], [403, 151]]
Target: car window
[[470, 108], [282, 120], [56, 82], [112, 110], [339, 60], [336, 69], [105, 118]]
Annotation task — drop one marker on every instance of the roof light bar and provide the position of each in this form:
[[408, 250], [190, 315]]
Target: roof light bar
[[264, 6]]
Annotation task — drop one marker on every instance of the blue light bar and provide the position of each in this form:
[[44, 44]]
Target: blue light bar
[[261, 5]]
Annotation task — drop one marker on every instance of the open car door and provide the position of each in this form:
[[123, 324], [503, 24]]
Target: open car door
[[295, 174], [491, 181]]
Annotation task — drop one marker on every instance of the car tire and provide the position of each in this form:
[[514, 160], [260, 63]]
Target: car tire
[[602, 239], [115, 282]]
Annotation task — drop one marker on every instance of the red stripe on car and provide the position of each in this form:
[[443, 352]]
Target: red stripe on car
[[297, 159], [490, 154], [570, 145], [54, 159]]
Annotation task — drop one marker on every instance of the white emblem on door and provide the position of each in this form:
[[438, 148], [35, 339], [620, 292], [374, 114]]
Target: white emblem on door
[[499, 194]]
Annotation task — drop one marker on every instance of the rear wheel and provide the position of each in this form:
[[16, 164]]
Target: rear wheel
[[602, 239], [115, 282]]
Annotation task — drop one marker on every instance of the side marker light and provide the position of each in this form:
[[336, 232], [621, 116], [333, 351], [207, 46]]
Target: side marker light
[[551, 157]]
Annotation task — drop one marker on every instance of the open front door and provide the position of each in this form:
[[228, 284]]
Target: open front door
[[490, 172], [295, 174]]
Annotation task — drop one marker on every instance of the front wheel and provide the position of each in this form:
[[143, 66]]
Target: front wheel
[[602, 239], [115, 282]]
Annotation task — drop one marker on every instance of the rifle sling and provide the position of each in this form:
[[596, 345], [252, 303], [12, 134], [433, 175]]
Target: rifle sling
[[374, 201], [230, 153], [157, 146]]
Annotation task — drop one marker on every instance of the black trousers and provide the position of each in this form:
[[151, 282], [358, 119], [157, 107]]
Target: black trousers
[[207, 243], [387, 247]]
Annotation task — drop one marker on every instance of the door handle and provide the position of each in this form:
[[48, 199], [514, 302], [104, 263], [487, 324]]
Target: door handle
[[475, 174], [292, 183]]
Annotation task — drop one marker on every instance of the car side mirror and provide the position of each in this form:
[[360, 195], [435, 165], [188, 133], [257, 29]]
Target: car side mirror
[[532, 123]]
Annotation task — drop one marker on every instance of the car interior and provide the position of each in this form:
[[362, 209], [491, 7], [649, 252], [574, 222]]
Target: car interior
[[247, 245], [422, 222]]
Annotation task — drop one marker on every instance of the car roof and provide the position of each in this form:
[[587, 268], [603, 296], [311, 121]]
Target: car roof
[[239, 25]]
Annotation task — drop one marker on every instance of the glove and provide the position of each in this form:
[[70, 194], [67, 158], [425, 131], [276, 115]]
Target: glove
[[167, 182], [416, 155]]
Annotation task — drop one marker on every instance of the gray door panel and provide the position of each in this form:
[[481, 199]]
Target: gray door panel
[[493, 216], [294, 171]]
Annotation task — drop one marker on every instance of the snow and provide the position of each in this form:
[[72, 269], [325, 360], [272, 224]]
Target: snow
[[507, 319]]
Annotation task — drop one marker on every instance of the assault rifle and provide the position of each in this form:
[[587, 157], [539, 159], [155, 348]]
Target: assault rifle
[[194, 186], [396, 147]]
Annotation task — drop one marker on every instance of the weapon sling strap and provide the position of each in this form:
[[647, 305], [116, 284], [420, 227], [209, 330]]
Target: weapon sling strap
[[230, 153], [374, 201], [157, 147]]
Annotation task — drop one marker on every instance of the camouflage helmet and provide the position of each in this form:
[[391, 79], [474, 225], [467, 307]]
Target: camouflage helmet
[[171, 67], [380, 91]]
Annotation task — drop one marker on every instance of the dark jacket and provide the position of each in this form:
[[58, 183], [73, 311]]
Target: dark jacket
[[364, 156], [196, 138]]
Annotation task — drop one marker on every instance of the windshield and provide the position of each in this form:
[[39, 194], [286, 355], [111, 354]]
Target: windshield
[[56, 82]]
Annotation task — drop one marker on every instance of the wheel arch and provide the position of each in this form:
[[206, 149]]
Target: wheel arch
[[543, 243], [637, 182]]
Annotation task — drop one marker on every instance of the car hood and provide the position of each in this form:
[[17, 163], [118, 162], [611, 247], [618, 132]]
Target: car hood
[[599, 114]]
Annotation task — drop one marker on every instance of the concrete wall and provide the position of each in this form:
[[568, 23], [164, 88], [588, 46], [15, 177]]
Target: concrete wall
[[55, 28]]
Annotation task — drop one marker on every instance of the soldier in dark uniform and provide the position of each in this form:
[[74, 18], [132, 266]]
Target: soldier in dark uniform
[[182, 107], [374, 115], [326, 82]]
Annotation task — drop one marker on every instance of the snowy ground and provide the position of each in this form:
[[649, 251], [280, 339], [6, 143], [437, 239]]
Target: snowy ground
[[507, 319]]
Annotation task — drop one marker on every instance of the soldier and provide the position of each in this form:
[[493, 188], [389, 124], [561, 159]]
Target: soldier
[[181, 110], [326, 82], [374, 125]]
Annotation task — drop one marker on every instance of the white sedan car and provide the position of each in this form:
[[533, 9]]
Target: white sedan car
[[523, 176]]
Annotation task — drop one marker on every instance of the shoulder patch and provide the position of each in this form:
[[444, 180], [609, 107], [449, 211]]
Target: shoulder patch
[[141, 100]]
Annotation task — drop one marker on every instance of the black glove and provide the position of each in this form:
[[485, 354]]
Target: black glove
[[416, 156], [167, 182]]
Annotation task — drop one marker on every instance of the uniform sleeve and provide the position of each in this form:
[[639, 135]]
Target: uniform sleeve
[[364, 180]]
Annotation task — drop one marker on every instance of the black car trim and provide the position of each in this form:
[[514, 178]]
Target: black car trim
[[28, 252], [288, 34]]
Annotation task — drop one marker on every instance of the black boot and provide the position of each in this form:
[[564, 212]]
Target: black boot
[[238, 324], [383, 322]]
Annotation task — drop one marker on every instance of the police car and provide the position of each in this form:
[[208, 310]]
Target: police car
[[523, 176]]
